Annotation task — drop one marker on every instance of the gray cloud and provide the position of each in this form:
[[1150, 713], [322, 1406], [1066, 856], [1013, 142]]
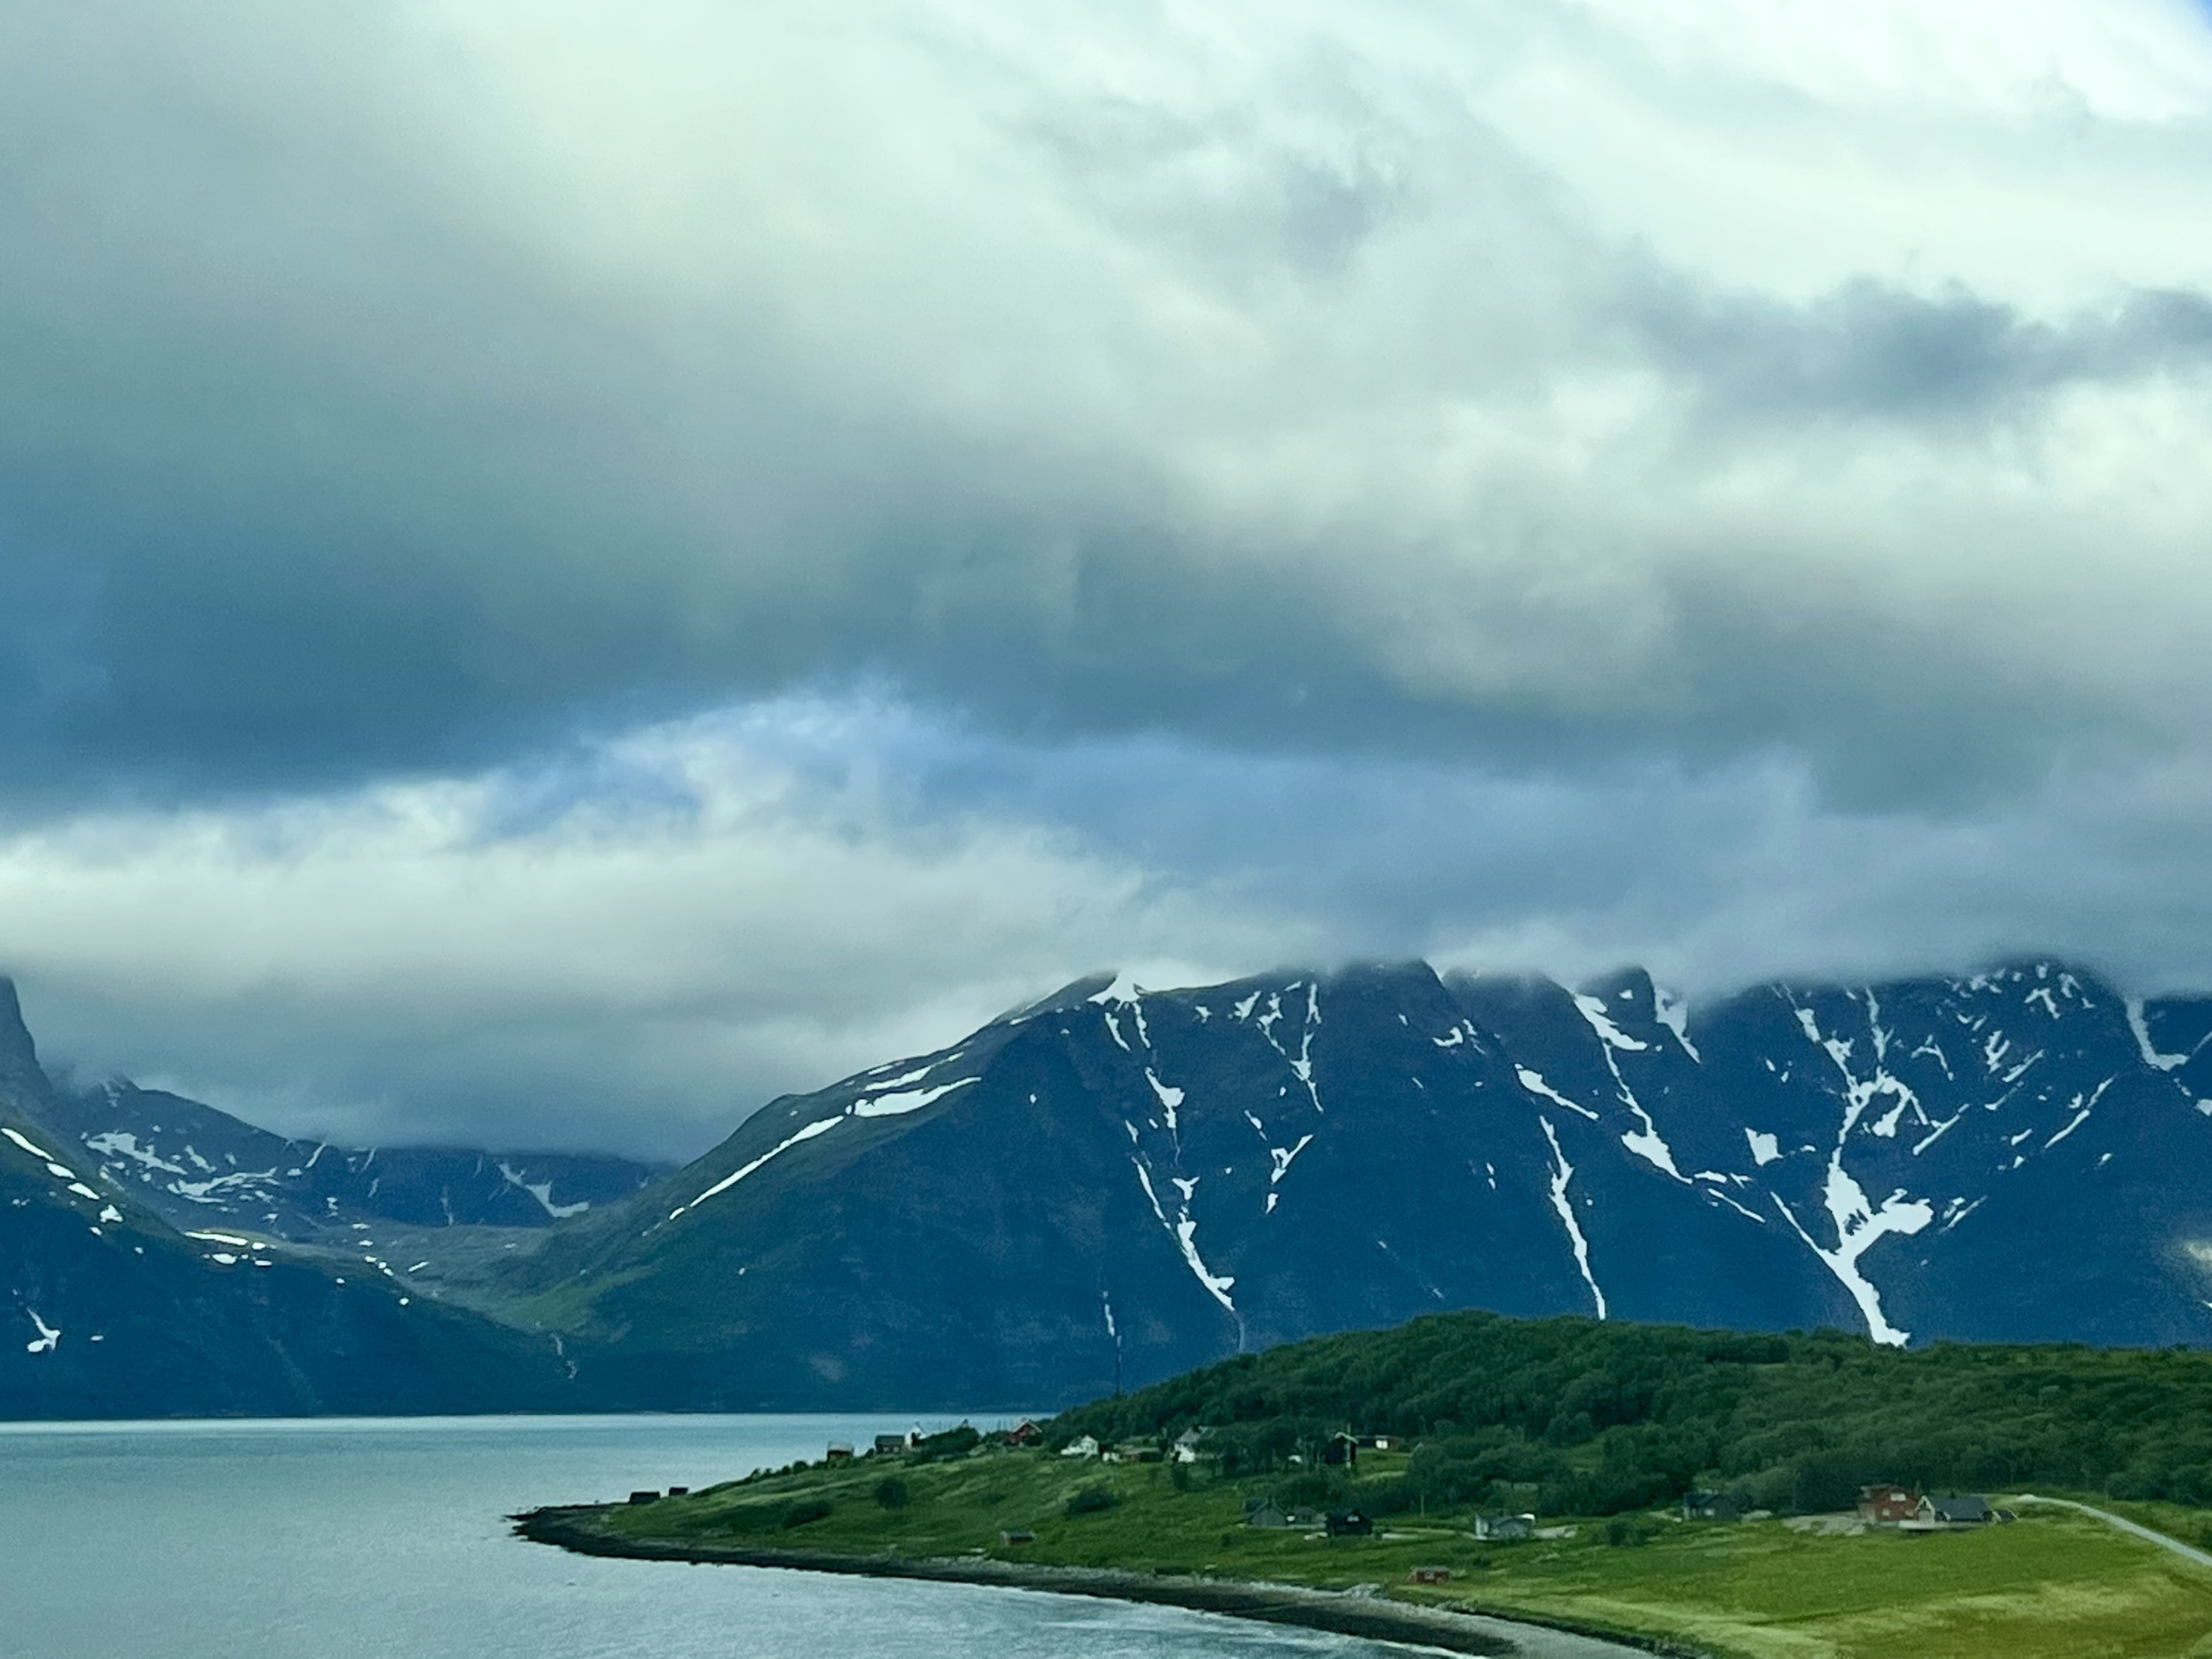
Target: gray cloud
[[370, 472], [1869, 352], [636, 942], [1303, 474]]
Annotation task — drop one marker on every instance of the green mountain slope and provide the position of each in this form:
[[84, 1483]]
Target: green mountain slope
[[1590, 1418]]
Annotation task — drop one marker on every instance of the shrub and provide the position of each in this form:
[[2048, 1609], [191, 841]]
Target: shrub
[[890, 1492], [805, 1509], [1092, 1500], [953, 1443]]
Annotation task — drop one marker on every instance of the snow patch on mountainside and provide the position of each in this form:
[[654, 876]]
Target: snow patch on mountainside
[[1645, 1141], [48, 1338], [820, 1126], [31, 1147], [2151, 1056], [1646, 1144], [1170, 1098], [1674, 1012], [1184, 1230], [1594, 1011], [542, 1191], [1858, 1226], [1562, 1173], [910, 1100], [117, 1143], [1302, 1065], [1123, 989], [1535, 1083]]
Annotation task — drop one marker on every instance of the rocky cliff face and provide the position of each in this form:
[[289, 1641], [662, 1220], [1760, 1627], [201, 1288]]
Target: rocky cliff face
[[1126, 1181]]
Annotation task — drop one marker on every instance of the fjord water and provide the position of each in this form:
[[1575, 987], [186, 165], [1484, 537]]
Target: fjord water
[[385, 1538]]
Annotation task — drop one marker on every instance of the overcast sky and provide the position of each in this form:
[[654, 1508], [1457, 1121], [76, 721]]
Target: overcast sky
[[565, 569]]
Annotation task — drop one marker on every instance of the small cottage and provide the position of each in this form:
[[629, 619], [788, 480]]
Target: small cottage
[[1713, 1506], [1349, 1523], [645, 1497], [1024, 1433], [1016, 1536], [1504, 1528], [1952, 1511], [1341, 1451], [1081, 1446], [841, 1451], [1887, 1505], [1187, 1444], [890, 1445], [1268, 1513], [1429, 1576], [1383, 1443]]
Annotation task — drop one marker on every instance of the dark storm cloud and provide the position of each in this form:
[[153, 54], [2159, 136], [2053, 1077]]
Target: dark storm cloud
[[362, 475], [1869, 352], [1505, 484]]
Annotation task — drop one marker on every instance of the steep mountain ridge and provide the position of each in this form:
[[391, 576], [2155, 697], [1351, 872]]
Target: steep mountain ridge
[[199, 1167], [114, 1313], [1116, 1184], [1112, 1185]]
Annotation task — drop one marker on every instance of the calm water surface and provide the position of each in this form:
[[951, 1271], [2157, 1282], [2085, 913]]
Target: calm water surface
[[383, 1540]]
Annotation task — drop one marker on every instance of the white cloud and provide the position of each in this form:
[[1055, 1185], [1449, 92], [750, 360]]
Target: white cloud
[[1482, 362], [1781, 407], [639, 946], [1346, 299]]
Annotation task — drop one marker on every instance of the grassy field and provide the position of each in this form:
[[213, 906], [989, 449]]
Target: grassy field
[[2050, 1586]]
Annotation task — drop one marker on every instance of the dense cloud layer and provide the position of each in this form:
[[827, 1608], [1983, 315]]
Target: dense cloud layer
[[1715, 481]]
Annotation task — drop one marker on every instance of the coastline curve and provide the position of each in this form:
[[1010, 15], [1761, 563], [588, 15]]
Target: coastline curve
[[1369, 1618]]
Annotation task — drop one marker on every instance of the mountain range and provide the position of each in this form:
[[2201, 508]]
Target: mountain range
[[160, 1258], [1115, 1184]]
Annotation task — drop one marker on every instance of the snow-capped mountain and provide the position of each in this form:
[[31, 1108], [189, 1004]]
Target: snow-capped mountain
[[1117, 1183], [203, 1168], [105, 1309]]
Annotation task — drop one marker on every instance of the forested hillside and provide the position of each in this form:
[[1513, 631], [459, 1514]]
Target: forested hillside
[[1571, 1416]]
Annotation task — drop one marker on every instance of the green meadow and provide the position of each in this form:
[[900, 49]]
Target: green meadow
[[2053, 1585]]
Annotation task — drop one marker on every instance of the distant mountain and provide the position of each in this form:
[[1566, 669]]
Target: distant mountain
[[108, 1310], [1116, 1185], [203, 1168]]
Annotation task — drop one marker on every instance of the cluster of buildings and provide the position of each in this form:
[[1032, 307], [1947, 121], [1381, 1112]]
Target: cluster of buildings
[[1184, 1449], [1908, 1510], [1026, 1433], [1880, 1505]]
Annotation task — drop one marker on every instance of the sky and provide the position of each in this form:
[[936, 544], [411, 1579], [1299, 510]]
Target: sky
[[566, 570]]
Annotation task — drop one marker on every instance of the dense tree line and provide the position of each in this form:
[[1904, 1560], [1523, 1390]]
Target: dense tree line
[[1577, 1417]]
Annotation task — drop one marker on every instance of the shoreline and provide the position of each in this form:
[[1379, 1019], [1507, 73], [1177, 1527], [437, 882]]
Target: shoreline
[[1373, 1619]]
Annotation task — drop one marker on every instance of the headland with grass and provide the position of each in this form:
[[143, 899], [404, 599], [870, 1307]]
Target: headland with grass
[[1599, 1432]]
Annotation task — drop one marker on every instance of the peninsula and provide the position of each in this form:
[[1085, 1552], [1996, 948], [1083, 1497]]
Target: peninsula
[[1560, 1489]]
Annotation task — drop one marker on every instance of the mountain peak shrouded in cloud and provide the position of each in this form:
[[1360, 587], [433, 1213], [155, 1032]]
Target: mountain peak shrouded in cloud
[[555, 571], [21, 1079]]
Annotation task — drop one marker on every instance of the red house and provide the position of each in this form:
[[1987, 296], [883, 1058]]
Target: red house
[[1886, 1506]]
